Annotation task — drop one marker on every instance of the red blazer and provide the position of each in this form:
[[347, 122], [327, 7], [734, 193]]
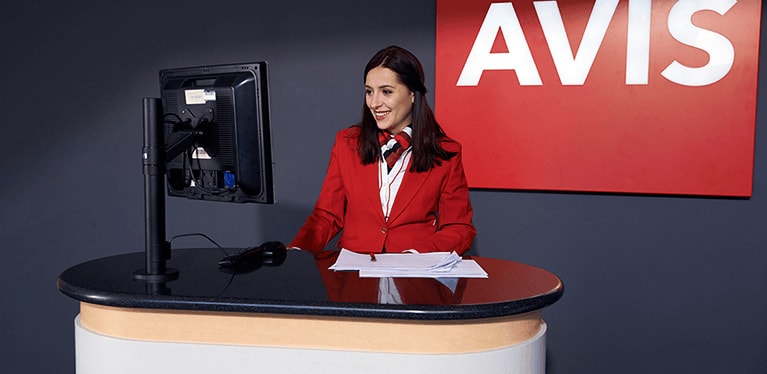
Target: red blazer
[[431, 211]]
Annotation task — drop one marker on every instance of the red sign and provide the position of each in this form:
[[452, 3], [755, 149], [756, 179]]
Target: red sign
[[634, 96]]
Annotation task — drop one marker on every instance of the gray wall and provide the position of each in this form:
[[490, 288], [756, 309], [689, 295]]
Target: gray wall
[[653, 283]]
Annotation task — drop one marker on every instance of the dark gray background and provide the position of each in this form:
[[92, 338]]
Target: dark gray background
[[657, 284]]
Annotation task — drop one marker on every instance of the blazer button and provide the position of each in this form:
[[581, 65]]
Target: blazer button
[[383, 230]]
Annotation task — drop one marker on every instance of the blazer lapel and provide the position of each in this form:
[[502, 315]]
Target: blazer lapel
[[370, 183], [411, 184]]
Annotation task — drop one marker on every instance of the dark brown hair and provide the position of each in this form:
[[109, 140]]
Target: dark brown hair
[[427, 151]]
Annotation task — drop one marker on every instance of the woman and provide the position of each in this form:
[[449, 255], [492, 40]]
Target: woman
[[395, 180]]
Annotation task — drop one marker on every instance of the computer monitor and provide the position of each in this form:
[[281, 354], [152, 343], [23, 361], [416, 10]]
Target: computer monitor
[[217, 133]]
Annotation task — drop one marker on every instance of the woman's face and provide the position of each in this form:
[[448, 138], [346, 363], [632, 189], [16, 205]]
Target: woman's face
[[390, 101]]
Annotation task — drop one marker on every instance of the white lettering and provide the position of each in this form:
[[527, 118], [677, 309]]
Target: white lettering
[[720, 51], [574, 68], [638, 46], [500, 16]]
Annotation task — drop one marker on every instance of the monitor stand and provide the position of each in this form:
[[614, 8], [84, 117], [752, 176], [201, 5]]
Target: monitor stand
[[153, 159]]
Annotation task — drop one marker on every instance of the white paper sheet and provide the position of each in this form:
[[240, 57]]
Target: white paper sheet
[[408, 265]]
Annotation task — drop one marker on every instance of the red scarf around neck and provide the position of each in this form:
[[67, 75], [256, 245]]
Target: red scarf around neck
[[393, 154]]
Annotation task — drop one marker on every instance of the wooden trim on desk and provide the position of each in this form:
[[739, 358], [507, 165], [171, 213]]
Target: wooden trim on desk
[[335, 333]]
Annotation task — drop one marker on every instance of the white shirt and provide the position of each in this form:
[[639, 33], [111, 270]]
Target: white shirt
[[389, 181]]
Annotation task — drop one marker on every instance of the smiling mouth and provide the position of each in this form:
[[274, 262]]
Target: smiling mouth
[[381, 115]]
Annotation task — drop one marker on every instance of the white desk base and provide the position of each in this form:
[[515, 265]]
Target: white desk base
[[97, 353]]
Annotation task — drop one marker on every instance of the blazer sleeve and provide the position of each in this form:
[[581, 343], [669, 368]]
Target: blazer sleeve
[[327, 217]]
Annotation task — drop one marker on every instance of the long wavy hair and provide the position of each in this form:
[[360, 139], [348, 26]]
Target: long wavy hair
[[427, 151]]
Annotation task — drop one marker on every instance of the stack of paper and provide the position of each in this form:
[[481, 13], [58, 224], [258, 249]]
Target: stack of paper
[[408, 265]]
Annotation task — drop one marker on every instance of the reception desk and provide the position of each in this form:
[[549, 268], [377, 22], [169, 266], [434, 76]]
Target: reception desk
[[295, 315]]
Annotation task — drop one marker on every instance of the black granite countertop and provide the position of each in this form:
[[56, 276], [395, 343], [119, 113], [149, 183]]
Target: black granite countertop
[[303, 285]]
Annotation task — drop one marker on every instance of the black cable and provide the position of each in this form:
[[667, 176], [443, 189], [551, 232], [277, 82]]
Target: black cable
[[231, 278], [202, 235], [198, 181]]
